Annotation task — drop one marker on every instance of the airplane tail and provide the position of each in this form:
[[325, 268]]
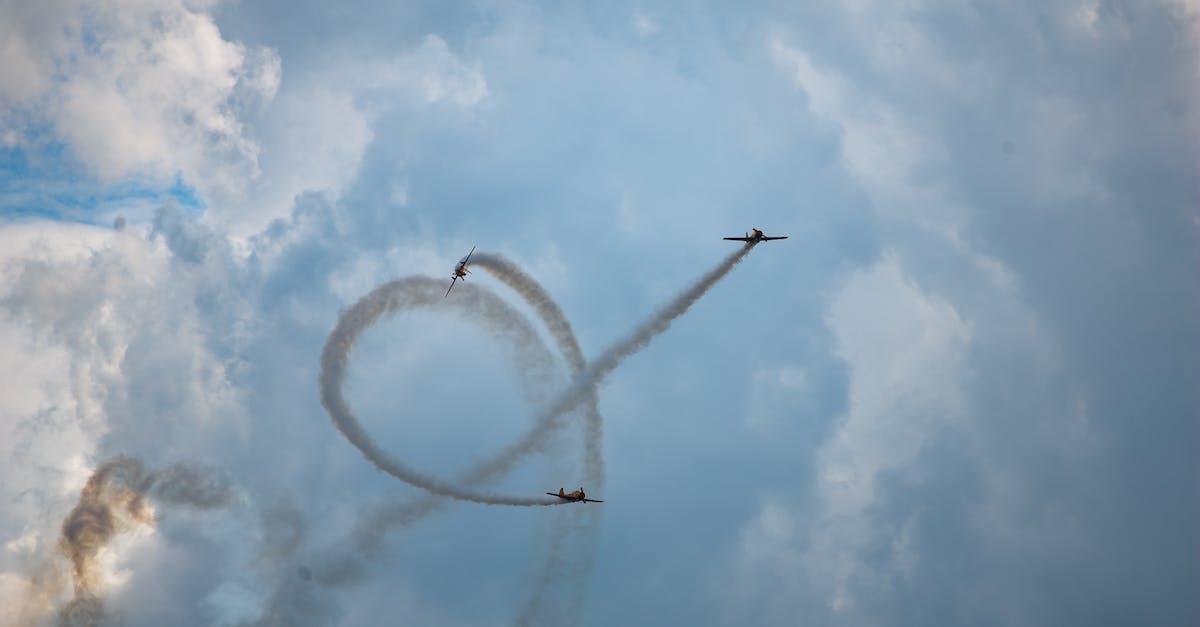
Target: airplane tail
[[560, 492]]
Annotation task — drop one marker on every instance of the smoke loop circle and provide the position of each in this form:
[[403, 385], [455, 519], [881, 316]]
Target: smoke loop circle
[[478, 305], [586, 377]]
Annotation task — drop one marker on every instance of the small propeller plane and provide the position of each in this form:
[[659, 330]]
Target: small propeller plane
[[460, 271], [578, 496], [755, 235]]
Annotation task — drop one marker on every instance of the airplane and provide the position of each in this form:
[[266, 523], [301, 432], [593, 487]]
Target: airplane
[[460, 271], [755, 236], [577, 496]]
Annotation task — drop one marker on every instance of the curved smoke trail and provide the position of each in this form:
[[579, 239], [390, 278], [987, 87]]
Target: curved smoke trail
[[342, 563], [115, 497], [582, 390], [390, 298], [414, 292], [564, 336], [567, 557]]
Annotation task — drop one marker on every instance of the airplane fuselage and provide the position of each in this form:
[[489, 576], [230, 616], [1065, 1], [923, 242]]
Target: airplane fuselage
[[755, 236], [575, 497], [460, 271]]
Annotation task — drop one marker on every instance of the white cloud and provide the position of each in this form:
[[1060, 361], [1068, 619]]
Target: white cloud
[[440, 74], [958, 396], [150, 89], [644, 25], [30, 40], [318, 128], [101, 341], [146, 88], [908, 370], [316, 136], [769, 583], [881, 148], [906, 351]]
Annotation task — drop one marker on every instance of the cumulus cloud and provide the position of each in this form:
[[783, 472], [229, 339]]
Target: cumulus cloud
[[118, 354], [61, 298], [319, 127], [975, 448], [153, 91], [884, 150], [907, 373], [138, 89]]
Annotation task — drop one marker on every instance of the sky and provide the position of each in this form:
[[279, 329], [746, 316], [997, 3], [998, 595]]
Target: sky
[[963, 390]]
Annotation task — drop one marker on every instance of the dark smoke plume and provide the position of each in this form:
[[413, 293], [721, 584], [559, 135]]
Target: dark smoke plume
[[114, 500]]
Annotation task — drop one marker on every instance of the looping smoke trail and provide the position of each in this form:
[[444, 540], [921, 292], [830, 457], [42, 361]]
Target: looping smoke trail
[[414, 292], [114, 500], [115, 497], [564, 336], [585, 382], [343, 562], [389, 298]]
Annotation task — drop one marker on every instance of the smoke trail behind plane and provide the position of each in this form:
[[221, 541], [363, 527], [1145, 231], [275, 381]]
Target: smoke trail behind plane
[[583, 384], [389, 298], [414, 292], [558, 567], [570, 549], [564, 337], [422, 292], [117, 497], [660, 321]]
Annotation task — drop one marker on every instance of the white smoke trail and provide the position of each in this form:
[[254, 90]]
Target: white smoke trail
[[397, 295], [567, 557], [294, 602], [659, 322], [562, 561], [571, 545], [114, 498], [413, 292], [564, 336], [375, 524], [583, 384]]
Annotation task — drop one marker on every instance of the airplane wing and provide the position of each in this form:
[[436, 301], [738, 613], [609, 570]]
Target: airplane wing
[[451, 286], [767, 239], [592, 501], [468, 257], [739, 239]]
